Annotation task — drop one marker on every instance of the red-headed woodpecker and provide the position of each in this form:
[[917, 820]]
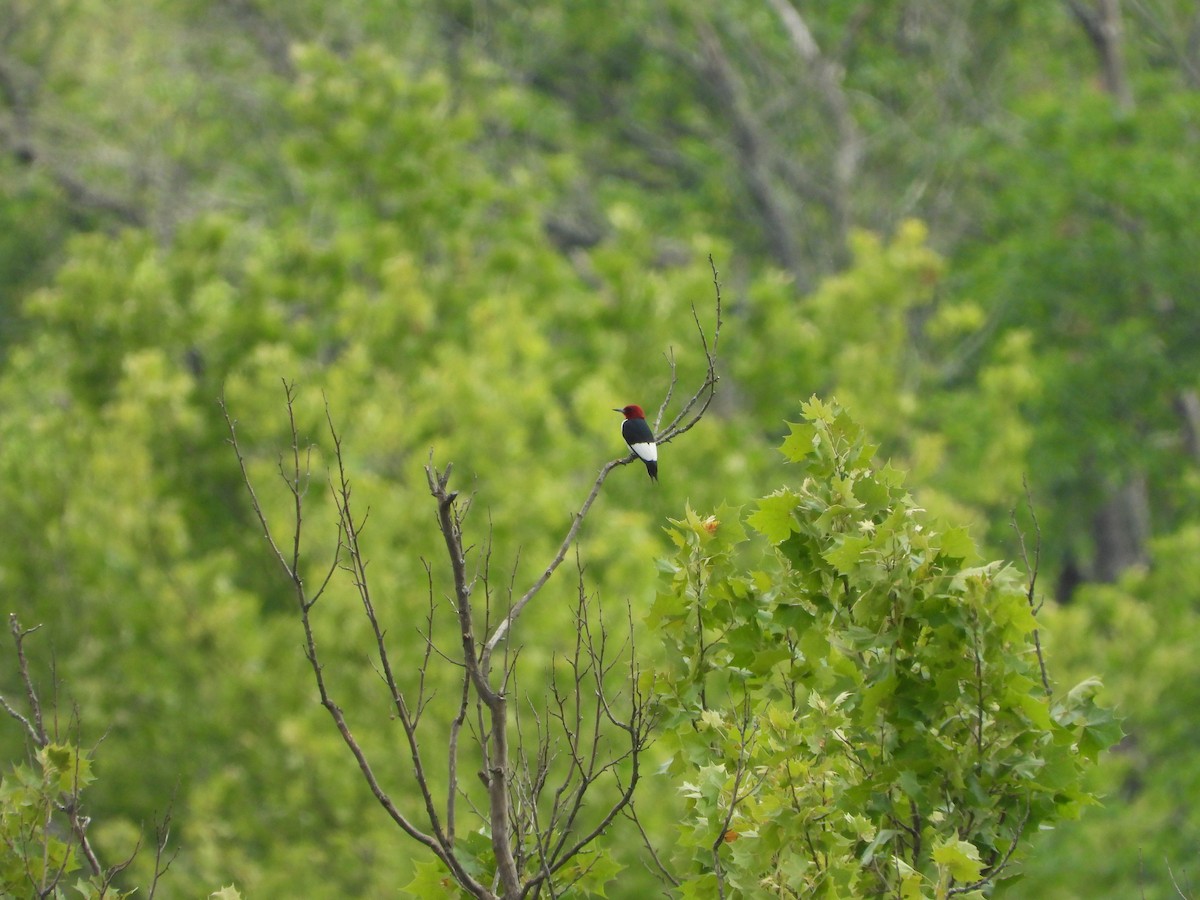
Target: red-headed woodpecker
[[639, 437]]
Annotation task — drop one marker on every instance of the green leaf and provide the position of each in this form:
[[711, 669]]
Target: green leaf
[[799, 444], [774, 517], [431, 880], [847, 554], [956, 543], [961, 858]]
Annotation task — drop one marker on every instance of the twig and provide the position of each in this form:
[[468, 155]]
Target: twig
[[631, 813], [1032, 569], [686, 419], [162, 834], [1174, 883], [32, 725]]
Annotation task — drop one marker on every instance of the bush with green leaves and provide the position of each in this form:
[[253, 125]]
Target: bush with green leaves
[[855, 705]]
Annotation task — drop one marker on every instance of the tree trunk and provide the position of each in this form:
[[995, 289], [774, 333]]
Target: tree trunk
[[1121, 528], [1103, 27]]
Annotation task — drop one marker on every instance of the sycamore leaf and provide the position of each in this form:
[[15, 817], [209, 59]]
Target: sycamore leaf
[[961, 858], [773, 519], [602, 870], [430, 880], [799, 444], [910, 887], [956, 543], [848, 554]]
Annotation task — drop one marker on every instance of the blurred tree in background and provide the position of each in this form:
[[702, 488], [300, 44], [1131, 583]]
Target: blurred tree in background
[[477, 226]]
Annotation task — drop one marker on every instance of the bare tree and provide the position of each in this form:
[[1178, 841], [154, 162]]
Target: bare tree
[[594, 721]]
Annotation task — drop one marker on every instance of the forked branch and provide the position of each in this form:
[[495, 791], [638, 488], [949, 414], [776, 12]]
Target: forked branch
[[296, 476]]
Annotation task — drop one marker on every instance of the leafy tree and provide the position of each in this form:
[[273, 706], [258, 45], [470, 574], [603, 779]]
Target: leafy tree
[[498, 219], [1094, 264], [902, 354], [856, 706], [1141, 631]]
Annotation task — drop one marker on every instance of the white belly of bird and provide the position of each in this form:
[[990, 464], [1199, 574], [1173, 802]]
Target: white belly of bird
[[645, 451]]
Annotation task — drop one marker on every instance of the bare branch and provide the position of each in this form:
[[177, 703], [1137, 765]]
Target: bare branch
[[348, 545], [577, 520], [496, 773], [586, 709], [1032, 568], [697, 405], [231, 424], [664, 873], [162, 834], [33, 725]]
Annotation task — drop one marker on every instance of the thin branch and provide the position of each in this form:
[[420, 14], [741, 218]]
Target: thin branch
[[79, 825], [304, 602], [452, 756], [746, 732], [351, 531], [577, 520], [1174, 883], [592, 658], [630, 812], [693, 411], [32, 725], [162, 834], [999, 867], [1032, 569]]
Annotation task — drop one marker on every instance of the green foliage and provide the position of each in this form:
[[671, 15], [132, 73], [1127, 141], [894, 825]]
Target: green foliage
[[1142, 632], [39, 851], [480, 236], [855, 703], [895, 346], [1094, 266]]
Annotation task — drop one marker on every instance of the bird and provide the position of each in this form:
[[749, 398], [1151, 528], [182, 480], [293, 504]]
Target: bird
[[639, 437]]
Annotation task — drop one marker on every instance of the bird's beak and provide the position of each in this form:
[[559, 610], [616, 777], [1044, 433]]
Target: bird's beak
[[619, 410]]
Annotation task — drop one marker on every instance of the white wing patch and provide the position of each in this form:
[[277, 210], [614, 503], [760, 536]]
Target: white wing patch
[[645, 451]]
